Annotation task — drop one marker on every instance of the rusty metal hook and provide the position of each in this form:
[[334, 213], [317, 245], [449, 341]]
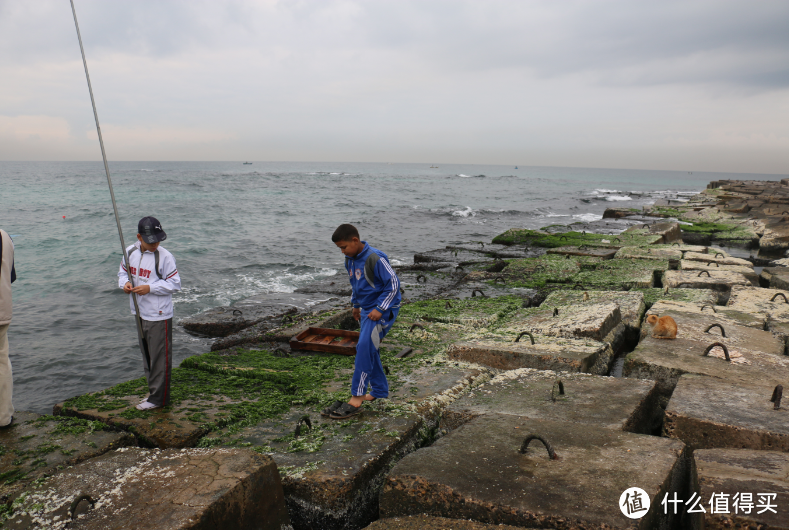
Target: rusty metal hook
[[723, 331], [237, 311], [447, 305], [557, 385], [710, 306], [497, 278], [525, 446], [616, 239], [709, 264], [423, 277], [522, 333], [777, 395], [675, 243], [776, 295], [420, 326], [714, 344], [719, 254], [556, 311], [474, 293], [703, 272]]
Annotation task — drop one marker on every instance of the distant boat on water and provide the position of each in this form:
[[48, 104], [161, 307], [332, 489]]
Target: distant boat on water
[[247, 163], [516, 167], [433, 167]]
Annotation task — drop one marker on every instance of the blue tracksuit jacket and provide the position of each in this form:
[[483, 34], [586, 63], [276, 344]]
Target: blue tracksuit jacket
[[375, 286]]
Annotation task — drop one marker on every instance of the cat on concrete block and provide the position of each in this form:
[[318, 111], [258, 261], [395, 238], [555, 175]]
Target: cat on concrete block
[[662, 327]]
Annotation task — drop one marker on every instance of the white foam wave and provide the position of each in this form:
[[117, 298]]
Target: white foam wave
[[464, 213], [556, 215], [587, 217], [464, 176], [600, 190], [618, 198]]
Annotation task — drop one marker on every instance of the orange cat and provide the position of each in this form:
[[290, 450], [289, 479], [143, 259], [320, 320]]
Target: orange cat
[[662, 327]]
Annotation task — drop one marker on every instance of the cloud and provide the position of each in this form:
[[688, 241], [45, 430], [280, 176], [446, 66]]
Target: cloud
[[604, 82]]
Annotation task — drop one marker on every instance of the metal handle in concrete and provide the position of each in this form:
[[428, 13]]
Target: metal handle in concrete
[[475, 291], [423, 277], [447, 305], [556, 311], [583, 247], [304, 420], [617, 239], [557, 385], [723, 331], [522, 333], [497, 278], [675, 243], [420, 326], [703, 272], [718, 254], [776, 295], [562, 237], [78, 499], [237, 311], [713, 345], [715, 262], [530, 438], [710, 306], [777, 395], [578, 285]]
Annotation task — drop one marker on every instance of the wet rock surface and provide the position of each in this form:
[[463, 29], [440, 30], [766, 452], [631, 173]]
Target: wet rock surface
[[35, 446], [191, 488], [424, 522]]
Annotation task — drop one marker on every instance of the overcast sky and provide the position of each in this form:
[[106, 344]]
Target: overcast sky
[[688, 85]]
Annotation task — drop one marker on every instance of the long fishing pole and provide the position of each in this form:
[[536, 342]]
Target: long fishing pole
[[109, 182]]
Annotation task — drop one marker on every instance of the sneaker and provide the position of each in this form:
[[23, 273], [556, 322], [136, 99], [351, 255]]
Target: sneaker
[[10, 423], [146, 405]]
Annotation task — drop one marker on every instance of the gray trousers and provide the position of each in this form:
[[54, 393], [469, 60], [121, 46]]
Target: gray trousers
[[6, 379], [158, 364]]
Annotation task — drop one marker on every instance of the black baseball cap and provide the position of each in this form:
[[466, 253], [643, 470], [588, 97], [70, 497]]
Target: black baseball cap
[[151, 230]]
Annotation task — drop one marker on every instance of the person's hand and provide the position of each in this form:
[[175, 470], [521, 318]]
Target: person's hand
[[141, 289], [127, 288], [374, 315]]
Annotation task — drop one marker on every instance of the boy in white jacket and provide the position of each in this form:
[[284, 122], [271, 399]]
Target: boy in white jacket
[[155, 279]]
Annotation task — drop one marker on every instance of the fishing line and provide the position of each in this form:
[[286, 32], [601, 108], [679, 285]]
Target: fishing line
[[109, 182]]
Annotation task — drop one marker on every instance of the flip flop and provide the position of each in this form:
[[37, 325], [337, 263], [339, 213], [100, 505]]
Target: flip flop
[[345, 411], [333, 407]]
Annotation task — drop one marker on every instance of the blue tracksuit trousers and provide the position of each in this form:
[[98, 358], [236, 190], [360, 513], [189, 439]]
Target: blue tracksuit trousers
[[368, 369]]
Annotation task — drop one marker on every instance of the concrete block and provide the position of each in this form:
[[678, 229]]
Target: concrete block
[[425, 522], [775, 278], [733, 472], [748, 272], [775, 238], [187, 489], [35, 446], [755, 300], [717, 313], [707, 413], [548, 353], [722, 258], [631, 303], [463, 257], [615, 403], [717, 280], [584, 320], [661, 253], [668, 231], [478, 473], [602, 253]]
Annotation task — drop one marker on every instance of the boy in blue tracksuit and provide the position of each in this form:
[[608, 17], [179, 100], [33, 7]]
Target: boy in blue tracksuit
[[376, 302]]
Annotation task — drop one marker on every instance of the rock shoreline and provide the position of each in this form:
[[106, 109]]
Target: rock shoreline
[[505, 411]]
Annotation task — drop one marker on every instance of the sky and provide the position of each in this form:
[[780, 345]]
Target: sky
[[684, 85]]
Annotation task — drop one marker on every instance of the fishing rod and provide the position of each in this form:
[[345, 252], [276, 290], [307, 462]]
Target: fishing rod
[[112, 193]]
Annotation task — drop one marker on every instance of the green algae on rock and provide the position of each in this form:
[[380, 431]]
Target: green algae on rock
[[543, 239]]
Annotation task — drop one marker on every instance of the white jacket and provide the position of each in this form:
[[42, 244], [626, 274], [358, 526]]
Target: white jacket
[[157, 304], [6, 264]]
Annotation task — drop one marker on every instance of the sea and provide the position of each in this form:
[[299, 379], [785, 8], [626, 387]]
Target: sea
[[237, 230]]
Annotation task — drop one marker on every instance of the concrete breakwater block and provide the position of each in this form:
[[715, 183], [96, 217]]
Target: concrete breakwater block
[[665, 361], [425, 522], [584, 320], [332, 471], [35, 446], [621, 274], [615, 403], [474, 285], [631, 303], [539, 238], [751, 482], [720, 314], [446, 255], [668, 231], [716, 256], [706, 413], [697, 296], [548, 353], [769, 302], [602, 253], [748, 272], [499, 251], [223, 321], [133, 488], [478, 472], [660, 253], [775, 238], [424, 285], [775, 277], [472, 312], [721, 281]]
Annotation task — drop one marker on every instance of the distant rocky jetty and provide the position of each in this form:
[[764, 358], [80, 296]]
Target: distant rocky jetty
[[501, 412]]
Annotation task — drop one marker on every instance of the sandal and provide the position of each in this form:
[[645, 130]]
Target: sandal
[[345, 411], [333, 407]]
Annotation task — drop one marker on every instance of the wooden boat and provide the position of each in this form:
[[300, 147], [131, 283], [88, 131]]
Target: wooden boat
[[326, 340]]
